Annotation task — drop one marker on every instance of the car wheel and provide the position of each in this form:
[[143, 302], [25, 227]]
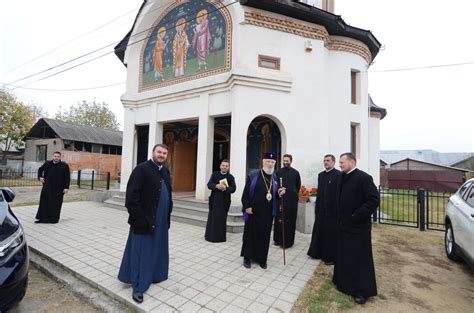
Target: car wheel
[[450, 243]]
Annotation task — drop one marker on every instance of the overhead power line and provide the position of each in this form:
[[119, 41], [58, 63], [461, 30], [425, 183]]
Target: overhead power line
[[421, 67], [97, 50], [68, 89]]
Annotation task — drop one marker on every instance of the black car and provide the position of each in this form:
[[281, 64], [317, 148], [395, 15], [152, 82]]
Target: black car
[[14, 260]]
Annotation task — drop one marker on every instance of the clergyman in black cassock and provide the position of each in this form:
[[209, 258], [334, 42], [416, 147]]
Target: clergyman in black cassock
[[55, 177], [357, 200], [222, 184], [323, 240], [149, 203], [291, 180], [259, 205]]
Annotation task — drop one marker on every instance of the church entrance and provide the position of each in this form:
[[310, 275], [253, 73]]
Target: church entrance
[[221, 149], [142, 143], [181, 138], [263, 135]]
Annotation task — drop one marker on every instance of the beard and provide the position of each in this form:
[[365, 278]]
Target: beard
[[268, 170]]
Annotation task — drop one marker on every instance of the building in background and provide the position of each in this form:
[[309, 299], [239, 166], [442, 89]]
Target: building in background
[[83, 148]]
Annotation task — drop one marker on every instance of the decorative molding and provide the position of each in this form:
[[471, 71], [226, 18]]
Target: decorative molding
[[317, 32], [376, 115]]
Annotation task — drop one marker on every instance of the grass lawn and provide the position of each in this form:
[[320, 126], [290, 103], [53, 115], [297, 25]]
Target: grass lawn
[[413, 275]]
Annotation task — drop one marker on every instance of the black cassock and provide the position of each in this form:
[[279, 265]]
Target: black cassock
[[57, 178], [292, 182], [358, 198], [219, 203], [323, 241], [258, 228]]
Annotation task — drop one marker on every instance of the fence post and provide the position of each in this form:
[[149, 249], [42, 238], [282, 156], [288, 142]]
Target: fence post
[[79, 179], [421, 206], [374, 216], [108, 181], [92, 181]]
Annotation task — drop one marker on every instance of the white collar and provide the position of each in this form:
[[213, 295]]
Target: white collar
[[351, 170]]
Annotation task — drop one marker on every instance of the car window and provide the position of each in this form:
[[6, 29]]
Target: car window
[[463, 189], [470, 197]]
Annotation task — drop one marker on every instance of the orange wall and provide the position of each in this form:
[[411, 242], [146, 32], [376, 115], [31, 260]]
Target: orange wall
[[101, 163]]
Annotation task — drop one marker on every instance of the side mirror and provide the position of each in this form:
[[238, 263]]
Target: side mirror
[[8, 194]]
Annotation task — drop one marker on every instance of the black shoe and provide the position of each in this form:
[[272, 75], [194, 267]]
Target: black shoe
[[247, 263], [276, 243], [360, 299], [329, 262], [37, 222], [137, 297], [263, 265]]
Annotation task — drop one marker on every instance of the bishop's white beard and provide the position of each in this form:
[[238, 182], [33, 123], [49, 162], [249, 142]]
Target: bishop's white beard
[[268, 171]]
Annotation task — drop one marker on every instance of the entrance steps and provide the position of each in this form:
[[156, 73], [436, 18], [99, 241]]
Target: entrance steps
[[189, 211]]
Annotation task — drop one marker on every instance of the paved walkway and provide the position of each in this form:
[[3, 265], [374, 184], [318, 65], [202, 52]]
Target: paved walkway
[[204, 277]]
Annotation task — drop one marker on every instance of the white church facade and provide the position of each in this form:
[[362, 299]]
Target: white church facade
[[230, 79]]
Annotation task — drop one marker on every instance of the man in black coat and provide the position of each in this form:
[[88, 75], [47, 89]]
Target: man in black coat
[[55, 177], [291, 180], [357, 200], [323, 241], [222, 184], [149, 203]]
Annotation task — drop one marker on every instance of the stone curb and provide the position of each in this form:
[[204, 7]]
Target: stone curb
[[88, 290]]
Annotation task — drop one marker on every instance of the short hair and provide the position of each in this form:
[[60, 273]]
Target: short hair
[[162, 145], [333, 158], [288, 156], [225, 160], [56, 152], [349, 155]]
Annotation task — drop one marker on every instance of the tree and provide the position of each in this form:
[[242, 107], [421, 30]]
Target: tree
[[16, 119], [89, 114]]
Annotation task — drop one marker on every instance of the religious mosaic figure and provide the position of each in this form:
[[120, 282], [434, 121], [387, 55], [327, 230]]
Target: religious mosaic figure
[[202, 39], [180, 48], [158, 54]]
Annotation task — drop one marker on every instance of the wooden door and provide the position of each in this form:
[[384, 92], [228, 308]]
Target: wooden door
[[184, 166]]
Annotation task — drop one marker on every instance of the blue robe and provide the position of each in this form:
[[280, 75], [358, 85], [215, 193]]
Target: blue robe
[[146, 257]]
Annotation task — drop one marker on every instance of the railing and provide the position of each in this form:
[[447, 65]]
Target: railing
[[93, 180], [419, 208], [89, 179]]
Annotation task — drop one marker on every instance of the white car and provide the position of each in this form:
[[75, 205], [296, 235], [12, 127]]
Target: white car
[[459, 221]]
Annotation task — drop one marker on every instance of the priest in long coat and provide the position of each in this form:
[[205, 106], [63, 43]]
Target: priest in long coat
[[291, 180], [259, 204], [222, 184], [323, 241], [149, 203], [55, 177], [358, 198]]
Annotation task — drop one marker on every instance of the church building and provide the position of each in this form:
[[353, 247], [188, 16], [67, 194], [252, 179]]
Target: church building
[[226, 79]]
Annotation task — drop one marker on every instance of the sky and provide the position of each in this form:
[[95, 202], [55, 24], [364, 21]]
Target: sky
[[428, 107]]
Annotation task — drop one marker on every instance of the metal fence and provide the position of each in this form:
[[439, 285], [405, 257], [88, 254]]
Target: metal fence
[[419, 208], [90, 179]]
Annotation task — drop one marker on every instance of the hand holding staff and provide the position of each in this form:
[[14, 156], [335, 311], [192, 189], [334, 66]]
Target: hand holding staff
[[281, 192]]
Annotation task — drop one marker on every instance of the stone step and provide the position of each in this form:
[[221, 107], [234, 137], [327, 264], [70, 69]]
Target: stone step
[[190, 219], [186, 212], [188, 209]]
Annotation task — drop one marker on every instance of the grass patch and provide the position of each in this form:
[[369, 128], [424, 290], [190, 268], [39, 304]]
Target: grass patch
[[328, 297]]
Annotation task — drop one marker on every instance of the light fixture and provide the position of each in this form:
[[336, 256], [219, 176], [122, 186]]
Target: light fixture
[[308, 46]]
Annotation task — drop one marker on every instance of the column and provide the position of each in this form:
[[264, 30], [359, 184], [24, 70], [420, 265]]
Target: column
[[238, 154], [128, 147], [155, 132], [205, 149]]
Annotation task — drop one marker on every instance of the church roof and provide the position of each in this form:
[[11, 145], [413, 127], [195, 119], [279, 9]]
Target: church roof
[[375, 108], [49, 128], [334, 24]]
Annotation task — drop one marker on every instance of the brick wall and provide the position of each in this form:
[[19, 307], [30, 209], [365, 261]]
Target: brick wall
[[101, 163]]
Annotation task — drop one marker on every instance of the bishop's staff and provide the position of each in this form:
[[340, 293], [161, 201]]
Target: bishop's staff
[[282, 221]]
